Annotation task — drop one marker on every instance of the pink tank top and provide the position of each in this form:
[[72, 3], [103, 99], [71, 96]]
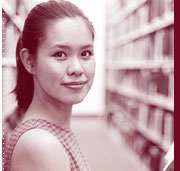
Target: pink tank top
[[65, 137]]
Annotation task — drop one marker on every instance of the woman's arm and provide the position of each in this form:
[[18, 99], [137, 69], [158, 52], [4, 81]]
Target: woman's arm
[[38, 150]]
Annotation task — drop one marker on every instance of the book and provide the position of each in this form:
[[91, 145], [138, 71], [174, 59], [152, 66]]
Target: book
[[166, 44], [161, 9], [158, 45], [154, 9], [168, 131], [159, 83], [143, 114], [171, 86], [155, 158], [143, 12], [168, 6], [171, 42], [158, 122], [151, 118]]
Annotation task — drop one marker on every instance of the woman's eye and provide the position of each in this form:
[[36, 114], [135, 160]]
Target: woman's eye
[[60, 55], [86, 53]]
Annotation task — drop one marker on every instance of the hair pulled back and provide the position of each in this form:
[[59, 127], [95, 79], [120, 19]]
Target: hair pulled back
[[34, 30]]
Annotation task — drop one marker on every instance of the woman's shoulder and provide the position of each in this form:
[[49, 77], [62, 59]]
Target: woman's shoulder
[[38, 149]]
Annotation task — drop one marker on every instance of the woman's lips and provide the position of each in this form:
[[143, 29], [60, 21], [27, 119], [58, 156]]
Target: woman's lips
[[75, 84]]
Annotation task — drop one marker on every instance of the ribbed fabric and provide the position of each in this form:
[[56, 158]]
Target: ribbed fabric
[[65, 137]]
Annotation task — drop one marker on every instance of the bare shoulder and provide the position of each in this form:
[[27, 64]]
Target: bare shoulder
[[39, 150]]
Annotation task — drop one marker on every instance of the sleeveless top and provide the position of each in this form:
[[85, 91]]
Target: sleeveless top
[[65, 137]]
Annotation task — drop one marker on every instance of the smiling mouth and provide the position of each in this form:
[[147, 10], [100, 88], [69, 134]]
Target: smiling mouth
[[75, 85]]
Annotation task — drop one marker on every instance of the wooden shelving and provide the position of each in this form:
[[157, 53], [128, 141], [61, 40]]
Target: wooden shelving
[[114, 134], [128, 10], [17, 21], [12, 26], [159, 24], [150, 134], [121, 65], [140, 71], [157, 100]]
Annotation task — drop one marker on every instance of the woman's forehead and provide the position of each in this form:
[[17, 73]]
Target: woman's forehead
[[68, 31]]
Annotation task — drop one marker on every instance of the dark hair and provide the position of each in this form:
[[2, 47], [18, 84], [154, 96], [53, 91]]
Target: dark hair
[[33, 31]]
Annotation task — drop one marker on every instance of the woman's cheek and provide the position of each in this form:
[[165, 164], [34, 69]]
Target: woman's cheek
[[91, 64], [90, 68], [93, 67], [50, 72]]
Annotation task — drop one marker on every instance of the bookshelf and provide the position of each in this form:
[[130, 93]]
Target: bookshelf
[[127, 10], [15, 19], [157, 100], [13, 14], [140, 76]]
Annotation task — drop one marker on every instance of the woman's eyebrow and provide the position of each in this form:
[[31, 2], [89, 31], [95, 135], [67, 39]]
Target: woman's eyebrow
[[87, 46], [68, 47], [61, 46]]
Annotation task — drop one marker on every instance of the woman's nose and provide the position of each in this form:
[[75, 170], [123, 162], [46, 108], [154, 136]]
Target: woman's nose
[[75, 67]]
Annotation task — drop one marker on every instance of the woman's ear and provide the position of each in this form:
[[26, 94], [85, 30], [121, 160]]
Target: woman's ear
[[27, 60]]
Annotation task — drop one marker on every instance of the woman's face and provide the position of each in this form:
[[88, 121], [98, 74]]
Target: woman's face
[[64, 67]]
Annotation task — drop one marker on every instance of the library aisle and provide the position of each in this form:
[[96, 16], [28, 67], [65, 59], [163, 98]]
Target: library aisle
[[102, 152]]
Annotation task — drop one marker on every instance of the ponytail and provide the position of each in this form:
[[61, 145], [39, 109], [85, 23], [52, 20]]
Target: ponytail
[[25, 86]]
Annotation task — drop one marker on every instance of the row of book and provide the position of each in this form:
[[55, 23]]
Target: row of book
[[135, 21], [156, 46], [154, 122], [148, 13], [153, 127], [149, 153], [137, 39], [10, 32], [158, 8], [149, 82]]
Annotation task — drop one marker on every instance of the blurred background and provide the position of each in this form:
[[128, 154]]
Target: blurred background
[[127, 120]]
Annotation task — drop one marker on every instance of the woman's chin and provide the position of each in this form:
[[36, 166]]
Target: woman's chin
[[77, 101]]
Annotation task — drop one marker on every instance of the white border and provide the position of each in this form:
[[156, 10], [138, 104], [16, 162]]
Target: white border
[[1, 99]]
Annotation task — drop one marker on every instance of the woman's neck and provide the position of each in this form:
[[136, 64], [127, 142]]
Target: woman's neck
[[57, 113]]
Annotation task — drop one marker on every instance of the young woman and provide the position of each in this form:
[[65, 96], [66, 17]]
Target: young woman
[[55, 70]]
